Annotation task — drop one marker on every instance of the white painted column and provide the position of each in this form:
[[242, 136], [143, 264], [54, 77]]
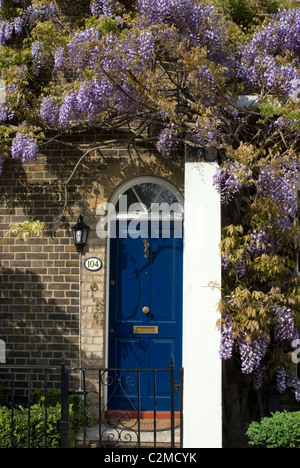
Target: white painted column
[[201, 338]]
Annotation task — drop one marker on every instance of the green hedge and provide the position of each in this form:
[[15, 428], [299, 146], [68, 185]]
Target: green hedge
[[37, 421], [54, 398], [281, 430], [37, 427]]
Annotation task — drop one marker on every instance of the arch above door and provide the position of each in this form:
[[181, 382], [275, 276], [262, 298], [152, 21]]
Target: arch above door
[[147, 197]]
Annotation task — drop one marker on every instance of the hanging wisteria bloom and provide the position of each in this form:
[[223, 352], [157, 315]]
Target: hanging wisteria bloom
[[193, 21], [281, 380], [167, 141], [103, 7], [39, 56], [146, 47], [31, 15], [296, 384], [280, 36], [227, 339], [6, 31], [260, 242], [58, 59], [230, 178], [49, 110], [207, 85], [18, 24], [252, 353], [39, 13], [258, 377], [78, 48], [3, 113], [279, 186], [66, 110], [285, 327], [24, 147]]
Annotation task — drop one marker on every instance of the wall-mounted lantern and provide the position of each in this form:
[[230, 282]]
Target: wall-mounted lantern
[[80, 233]]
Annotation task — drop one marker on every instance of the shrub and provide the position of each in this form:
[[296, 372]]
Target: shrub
[[37, 427], [76, 401], [281, 430]]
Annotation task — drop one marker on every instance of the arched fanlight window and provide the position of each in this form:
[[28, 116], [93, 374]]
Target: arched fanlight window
[[148, 197]]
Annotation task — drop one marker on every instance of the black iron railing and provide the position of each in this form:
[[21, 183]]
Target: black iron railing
[[115, 427]]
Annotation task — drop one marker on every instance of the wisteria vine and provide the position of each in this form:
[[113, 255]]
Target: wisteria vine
[[176, 67]]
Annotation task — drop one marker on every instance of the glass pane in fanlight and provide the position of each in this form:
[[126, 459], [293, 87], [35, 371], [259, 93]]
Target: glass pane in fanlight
[[167, 196], [147, 192], [125, 200]]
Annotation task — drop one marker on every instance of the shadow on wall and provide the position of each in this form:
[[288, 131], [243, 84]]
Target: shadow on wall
[[37, 191], [39, 313], [38, 323], [37, 328]]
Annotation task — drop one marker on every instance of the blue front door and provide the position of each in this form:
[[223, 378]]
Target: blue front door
[[145, 325]]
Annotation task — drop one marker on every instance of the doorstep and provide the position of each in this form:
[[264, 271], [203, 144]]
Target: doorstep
[[128, 436]]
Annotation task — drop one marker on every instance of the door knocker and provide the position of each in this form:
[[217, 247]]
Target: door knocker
[[147, 247]]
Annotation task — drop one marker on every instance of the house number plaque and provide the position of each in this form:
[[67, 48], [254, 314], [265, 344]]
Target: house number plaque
[[93, 264]]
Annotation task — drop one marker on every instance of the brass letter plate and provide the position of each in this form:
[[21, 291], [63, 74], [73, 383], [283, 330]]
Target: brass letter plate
[[148, 330]]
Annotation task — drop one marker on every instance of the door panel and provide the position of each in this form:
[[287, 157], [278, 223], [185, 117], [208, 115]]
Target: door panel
[[155, 282]]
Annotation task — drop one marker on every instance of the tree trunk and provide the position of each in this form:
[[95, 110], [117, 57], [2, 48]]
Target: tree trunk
[[238, 409]]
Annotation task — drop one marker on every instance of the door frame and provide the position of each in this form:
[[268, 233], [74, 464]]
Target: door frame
[[114, 199]]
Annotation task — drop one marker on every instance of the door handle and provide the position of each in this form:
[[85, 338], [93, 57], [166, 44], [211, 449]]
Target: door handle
[[145, 310]]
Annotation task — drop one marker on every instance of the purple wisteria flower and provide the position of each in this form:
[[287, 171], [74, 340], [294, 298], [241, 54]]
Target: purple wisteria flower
[[38, 55], [296, 384], [281, 376], [229, 180], [77, 50], [18, 24], [58, 59], [199, 24], [31, 15], [146, 47], [258, 375], [252, 353], [260, 243], [49, 110], [285, 327], [279, 187], [103, 7], [167, 141], [3, 113], [6, 31], [66, 110], [227, 339], [262, 58], [24, 147], [39, 13]]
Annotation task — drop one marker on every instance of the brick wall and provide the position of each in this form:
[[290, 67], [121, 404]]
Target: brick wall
[[39, 280]]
